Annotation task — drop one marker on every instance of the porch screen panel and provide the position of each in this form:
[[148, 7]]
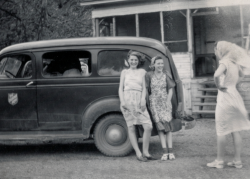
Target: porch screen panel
[[175, 31], [125, 25], [150, 25]]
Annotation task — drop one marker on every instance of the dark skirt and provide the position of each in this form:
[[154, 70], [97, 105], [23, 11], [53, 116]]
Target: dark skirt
[[163, 126]]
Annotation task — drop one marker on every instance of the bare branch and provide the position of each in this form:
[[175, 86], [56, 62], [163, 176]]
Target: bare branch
[[10, 13]]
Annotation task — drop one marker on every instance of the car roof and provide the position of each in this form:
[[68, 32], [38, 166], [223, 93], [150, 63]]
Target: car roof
[[87, 41]]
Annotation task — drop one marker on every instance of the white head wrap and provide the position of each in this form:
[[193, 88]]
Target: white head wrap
[[234, 53]]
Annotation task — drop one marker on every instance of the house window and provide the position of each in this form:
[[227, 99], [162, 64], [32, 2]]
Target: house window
[[66, 64], [205, 65], [106, 27]]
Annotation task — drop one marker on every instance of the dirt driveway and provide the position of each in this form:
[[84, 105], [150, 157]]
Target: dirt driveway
[[75, 159]]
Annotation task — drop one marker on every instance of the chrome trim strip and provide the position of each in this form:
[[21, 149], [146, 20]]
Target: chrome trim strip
[[69, 85], [16, 87]]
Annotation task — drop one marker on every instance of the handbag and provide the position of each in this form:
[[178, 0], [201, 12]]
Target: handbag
[[176, 123], [188, 121]]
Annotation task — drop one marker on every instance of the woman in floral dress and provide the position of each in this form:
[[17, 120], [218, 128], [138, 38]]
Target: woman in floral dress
[[159, 86]]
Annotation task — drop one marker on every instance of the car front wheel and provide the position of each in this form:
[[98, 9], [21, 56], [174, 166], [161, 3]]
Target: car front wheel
[[111, 136]]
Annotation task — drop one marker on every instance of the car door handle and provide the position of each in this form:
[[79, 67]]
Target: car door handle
[[30, 83]]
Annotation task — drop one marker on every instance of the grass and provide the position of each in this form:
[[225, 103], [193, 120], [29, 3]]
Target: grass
[[193, 149]]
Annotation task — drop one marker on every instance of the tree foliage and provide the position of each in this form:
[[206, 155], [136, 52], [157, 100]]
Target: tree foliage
[[31, 20]]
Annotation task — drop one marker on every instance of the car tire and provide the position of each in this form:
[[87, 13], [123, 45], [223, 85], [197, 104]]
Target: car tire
[[111, 136]]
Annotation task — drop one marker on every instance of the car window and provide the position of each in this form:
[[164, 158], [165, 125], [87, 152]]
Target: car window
[[2, 63], [66, 64], [18, 66], [112, 62]]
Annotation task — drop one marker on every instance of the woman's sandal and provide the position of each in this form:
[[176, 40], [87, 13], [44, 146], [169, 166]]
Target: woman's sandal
[[216, 164], [235, 164], [164, 157], [171, 156]]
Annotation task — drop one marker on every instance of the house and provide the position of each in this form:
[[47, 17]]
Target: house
[[189, 28]]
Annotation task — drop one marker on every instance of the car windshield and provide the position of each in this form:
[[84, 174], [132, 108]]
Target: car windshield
[[2, 62], [13, 65]]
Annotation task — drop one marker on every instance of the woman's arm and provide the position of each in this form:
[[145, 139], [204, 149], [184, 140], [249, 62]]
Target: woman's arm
[[143, 94], [170, 85], [220, 70], [217, 74], [121, 86], [147, 76], [170, 94]]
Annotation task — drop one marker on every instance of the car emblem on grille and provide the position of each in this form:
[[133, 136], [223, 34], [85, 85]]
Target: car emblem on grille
[[12, 98]]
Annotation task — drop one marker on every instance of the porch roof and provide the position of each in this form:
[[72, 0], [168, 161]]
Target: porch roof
[[99, 2], [106, 8]]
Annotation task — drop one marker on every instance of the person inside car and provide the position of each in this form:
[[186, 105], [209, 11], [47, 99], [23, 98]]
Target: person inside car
[[84, 68]]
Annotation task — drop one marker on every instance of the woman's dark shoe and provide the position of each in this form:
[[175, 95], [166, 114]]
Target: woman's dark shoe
[[142, 159], [150, 157]]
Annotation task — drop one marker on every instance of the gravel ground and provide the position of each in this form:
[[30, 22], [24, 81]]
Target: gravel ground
[[75, 159]]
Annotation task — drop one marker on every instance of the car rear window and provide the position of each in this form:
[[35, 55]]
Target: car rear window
[[112, 62], [66, 64]]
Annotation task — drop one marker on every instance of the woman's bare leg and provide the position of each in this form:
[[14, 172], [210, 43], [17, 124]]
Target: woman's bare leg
[[169, 139], [221, 141], [162, 139], [237, 145], [133, 140], [170, 146], [146, 137]]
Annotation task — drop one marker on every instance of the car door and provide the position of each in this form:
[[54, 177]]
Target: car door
[[64, 87], [18, 92]]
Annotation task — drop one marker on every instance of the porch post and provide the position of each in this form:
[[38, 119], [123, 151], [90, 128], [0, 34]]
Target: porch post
[[190, 40], [97, 33], [114, 26], [93, 26], [137, 27], [162, 27], [242, 26]]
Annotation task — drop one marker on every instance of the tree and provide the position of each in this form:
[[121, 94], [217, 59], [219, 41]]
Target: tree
[[31, 20]]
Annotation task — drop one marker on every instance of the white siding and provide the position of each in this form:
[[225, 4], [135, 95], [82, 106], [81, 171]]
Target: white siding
[[183, 64]]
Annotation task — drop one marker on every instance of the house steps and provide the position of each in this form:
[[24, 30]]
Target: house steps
[[207, 99], [205, 104], [204, 112], [208, 89]]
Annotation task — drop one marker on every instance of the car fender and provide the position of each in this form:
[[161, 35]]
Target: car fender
[[96, 109]]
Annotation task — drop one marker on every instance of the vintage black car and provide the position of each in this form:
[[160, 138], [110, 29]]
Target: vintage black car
[[68, 88]]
